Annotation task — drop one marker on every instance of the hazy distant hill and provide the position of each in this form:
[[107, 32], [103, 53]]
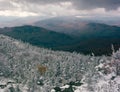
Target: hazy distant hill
[[93, 37], [74, 25], [62, 24]]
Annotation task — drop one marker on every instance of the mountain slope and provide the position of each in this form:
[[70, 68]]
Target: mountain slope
[[25, 68], [92, 37], [38, 36]]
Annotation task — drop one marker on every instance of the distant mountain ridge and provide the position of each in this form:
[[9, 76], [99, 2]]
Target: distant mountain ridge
[[71, 25], [62, 24], [91, 37]]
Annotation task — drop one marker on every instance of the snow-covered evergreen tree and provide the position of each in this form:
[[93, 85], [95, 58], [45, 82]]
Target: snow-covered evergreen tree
[[26, 68]]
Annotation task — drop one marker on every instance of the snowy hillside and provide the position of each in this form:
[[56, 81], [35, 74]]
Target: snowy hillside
[[25, 68]]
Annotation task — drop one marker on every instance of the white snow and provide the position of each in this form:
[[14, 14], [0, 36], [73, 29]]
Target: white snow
[[109, 76], [100, 65], [82, 88], [52, 90], [27, 57], [63, 87]]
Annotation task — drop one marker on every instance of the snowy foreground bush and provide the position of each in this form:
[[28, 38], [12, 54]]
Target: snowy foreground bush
[[25, 68]]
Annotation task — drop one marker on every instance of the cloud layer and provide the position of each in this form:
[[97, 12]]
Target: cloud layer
[[92, 4], [24, 8], [80, 4]]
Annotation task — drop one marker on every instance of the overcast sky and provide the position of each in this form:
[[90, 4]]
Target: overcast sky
[[50, 8]]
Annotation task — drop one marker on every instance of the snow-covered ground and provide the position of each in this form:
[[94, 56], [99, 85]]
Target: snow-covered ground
[[26, 68]]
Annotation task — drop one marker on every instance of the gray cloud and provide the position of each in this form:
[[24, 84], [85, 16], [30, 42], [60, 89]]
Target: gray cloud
[[91, 4], [6, 5], [59, 7], [79, 4]]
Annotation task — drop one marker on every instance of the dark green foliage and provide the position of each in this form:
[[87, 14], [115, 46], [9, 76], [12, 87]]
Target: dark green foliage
[[71, 84], [113, 77], [2, 86], [78, 83], [57, 89], [40, 82], [12, 89], [100, 69]]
